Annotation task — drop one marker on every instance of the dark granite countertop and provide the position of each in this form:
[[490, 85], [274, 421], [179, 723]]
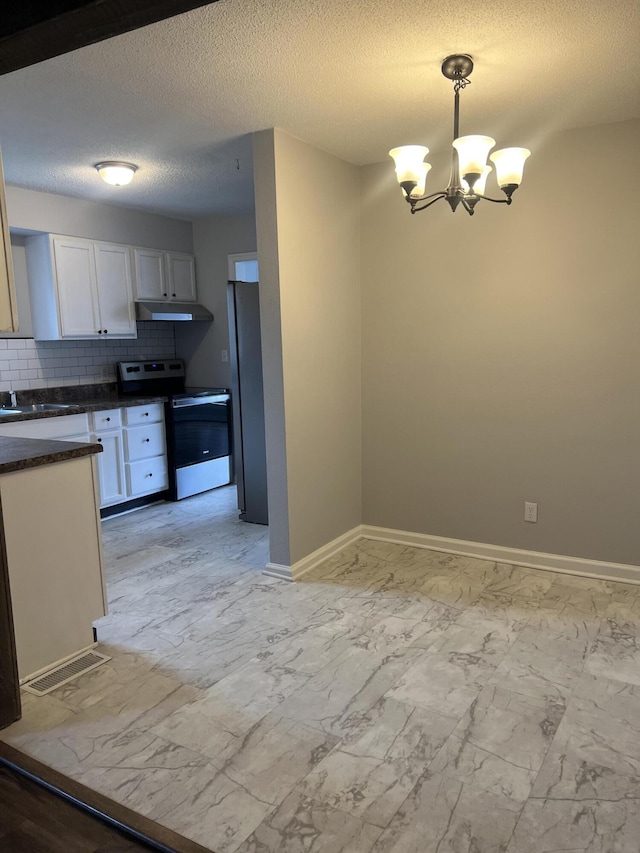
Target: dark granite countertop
[[95, 404], [17, 454]]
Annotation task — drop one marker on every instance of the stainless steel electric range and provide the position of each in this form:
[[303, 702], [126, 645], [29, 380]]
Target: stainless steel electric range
[[198, 424]]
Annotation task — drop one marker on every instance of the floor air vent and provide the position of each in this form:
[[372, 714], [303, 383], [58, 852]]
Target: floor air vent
[[65, 672]]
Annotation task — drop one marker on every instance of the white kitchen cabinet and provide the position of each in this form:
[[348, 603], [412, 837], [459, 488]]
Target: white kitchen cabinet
[[107, 431], [150, 276], [8, 301], [181, 275], [164, 276], [133, 462], [111, 468], [79, 289], [60, 428], [145, 450]]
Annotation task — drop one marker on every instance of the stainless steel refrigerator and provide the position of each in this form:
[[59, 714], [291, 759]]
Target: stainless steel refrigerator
[[247, 397]]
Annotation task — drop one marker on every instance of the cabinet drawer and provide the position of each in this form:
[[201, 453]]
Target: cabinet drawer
[[148, 475], [152, 413], [63, 426], [108, 419], [142, 442]]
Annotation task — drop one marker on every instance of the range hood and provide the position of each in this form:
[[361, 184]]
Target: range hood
[[176, 311]]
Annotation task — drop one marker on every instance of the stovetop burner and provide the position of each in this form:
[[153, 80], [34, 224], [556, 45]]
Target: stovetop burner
[[164, 377]]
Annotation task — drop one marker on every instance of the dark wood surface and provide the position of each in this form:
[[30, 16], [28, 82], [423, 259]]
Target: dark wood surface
[[33, 30], [34, 819]]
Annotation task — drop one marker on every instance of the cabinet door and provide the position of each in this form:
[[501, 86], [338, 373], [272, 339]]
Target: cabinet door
[[76, 282], [181, 277], [111, 468], [8, 304], [150, 275], [115, 290]]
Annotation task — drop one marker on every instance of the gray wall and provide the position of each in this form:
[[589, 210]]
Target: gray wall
[[502, 356], [309, 253], [200, 345]]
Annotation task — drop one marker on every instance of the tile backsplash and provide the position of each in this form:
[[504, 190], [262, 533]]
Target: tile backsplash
[[27, 364]]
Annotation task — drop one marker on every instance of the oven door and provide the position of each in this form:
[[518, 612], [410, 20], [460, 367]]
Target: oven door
[[200, 431]]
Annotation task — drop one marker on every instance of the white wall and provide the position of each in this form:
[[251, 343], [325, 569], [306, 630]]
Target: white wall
[[58, 214], [201, 345], [502, 355], [308, 223]]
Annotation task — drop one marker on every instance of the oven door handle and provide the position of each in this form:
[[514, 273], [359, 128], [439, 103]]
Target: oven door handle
[[218, 400]]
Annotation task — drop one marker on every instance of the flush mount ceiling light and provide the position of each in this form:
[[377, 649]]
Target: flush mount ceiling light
[[116, 173], [469, 169]]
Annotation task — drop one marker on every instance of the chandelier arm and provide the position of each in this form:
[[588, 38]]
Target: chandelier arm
[[425, 197], [468, 207], [439, 195], [497, 200]]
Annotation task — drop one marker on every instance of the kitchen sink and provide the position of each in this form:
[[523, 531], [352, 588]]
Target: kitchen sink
[[34, 407], [42, 407]]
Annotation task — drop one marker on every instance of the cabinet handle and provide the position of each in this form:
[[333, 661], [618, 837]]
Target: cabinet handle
[[149, 475], [147, 440], [146, 414], [99, 331], [100, 440], [105, 331], [173, 294], [164, 294], [108, 419]]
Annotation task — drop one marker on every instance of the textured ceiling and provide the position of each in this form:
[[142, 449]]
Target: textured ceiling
[[180, 98]]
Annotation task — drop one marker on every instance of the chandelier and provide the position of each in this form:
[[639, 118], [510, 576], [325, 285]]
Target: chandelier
[[469, 169]]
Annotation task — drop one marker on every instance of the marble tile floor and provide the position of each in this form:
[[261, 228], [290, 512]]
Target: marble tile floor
[[396, 700]]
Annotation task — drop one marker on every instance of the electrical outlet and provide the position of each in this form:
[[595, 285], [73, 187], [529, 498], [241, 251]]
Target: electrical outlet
[[225, 355], [530, 511]]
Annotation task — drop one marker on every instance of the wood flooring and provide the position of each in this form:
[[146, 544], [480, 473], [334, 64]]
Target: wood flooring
[[34, 820]]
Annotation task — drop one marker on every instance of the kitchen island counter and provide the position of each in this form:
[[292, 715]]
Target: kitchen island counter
[[18, 454]]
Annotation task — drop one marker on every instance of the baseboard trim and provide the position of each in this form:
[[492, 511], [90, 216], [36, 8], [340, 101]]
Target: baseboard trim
[[279, 571], [626, 573], [306, 564]]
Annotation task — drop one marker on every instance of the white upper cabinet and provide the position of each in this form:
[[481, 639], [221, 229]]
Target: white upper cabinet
[[181, 275], [150, 275], [79, 288], [75, 277], [115, 290], [8, 306], [164, 276]]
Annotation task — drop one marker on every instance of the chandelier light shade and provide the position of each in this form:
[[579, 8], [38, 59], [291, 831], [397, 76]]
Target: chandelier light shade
[[469, 168], [509, 163], [116, 173], [409, 162]]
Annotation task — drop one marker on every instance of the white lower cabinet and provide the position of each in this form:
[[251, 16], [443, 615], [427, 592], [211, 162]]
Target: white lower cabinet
[[107, 431], [147, 476], [133, 462], [145, 450], [111, 468], [61, 428]]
